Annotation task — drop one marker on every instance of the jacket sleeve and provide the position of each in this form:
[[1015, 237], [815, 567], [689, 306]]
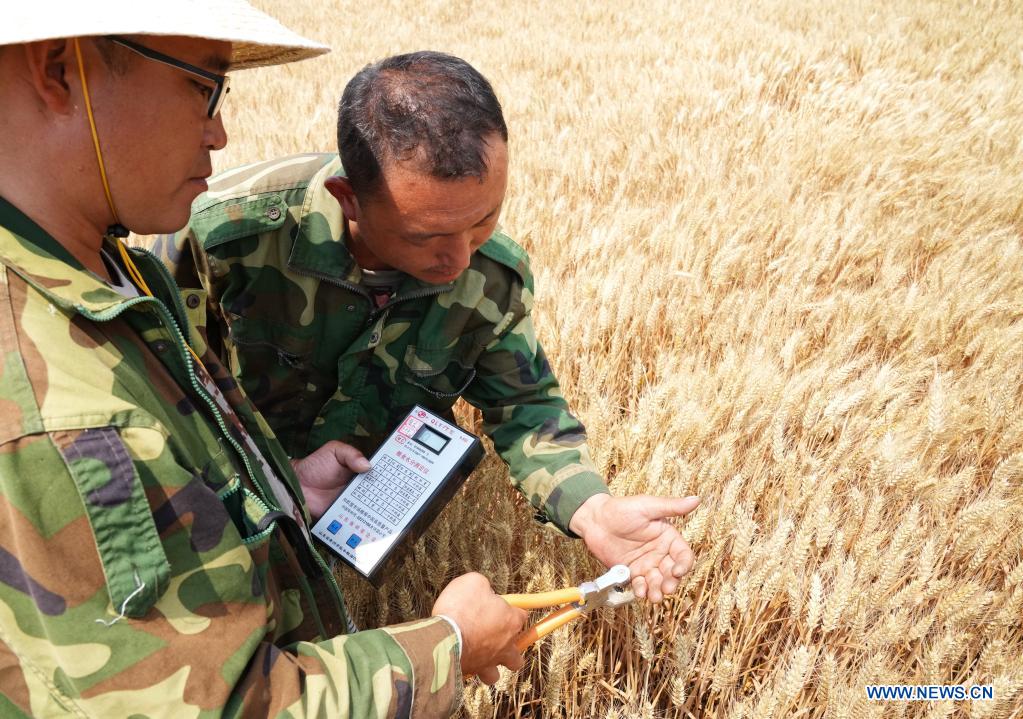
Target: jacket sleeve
[[533, 431], [192, 630]]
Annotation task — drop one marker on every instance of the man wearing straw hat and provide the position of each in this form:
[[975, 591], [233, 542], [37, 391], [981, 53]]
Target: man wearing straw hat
[[154, 550]]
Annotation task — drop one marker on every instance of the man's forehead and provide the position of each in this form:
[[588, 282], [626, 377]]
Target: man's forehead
[[425, 206]]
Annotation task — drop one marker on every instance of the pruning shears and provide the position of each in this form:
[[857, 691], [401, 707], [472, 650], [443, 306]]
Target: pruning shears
[[610, 589]]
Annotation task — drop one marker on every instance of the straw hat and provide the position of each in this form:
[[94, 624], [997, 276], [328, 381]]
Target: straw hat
[[258, 38]]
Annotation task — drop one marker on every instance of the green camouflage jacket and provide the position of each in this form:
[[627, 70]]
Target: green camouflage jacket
[[145, 566], [322, 362]]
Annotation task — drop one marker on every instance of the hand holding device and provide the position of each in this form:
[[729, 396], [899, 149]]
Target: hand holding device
[[325, 472], [411, 477]]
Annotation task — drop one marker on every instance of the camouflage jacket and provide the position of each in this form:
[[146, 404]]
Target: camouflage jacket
[[322, 362], [145, 565]]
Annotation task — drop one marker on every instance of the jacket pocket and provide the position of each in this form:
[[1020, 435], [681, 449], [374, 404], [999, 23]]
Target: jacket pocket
[[275, 364], [437, 377], [269, 343], [134, 563]]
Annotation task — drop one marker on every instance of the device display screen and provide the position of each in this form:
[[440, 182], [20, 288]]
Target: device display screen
[[431, 439]]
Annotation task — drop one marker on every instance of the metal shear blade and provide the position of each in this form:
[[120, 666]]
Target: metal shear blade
[[610, 589]]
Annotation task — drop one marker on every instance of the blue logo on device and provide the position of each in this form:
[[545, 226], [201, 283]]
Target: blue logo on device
[[353, 541], [334, 526]]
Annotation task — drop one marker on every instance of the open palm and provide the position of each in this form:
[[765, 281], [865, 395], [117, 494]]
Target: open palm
[[635, 531]]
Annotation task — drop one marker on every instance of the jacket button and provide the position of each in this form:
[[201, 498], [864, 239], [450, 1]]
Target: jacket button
[[273, 213], [161, 346], [374, 338], [192, 301]]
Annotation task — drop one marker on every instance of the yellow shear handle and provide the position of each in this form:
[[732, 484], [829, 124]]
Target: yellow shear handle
[[552, 621], [544, 599], [546, 625]]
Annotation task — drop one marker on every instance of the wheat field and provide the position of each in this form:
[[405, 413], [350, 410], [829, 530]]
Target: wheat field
[[779, 259]]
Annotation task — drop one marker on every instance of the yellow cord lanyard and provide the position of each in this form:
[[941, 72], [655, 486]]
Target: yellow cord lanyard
[[133, 271]]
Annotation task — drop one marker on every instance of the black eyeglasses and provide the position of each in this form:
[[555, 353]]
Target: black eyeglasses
[[222, 83]]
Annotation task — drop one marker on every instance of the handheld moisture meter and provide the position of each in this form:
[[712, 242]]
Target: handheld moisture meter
[[415, 473]]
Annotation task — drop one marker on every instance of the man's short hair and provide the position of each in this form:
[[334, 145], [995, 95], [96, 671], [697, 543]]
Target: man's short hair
[[427, 106]]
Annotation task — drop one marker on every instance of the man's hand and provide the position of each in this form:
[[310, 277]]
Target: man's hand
[[488, 624], [325, 472], [633, 531]]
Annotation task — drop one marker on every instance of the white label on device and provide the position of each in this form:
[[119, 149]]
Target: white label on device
[[371, 513]]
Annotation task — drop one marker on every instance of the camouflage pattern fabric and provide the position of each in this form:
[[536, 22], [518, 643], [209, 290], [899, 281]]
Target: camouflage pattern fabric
[[322, 361], [145, 566]]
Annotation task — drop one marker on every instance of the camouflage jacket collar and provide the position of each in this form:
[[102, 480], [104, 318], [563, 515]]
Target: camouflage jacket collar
[[44, 263], [320, 249]]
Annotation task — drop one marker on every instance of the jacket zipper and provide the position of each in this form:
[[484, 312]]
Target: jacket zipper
[[339, 603], [166, 318]]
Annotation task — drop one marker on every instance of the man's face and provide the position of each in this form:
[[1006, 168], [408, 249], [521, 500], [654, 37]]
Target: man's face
[[425, 226], [154, 130]]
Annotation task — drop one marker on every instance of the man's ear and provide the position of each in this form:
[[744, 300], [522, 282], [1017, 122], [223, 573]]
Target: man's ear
[[342, 191], [50, 65]]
